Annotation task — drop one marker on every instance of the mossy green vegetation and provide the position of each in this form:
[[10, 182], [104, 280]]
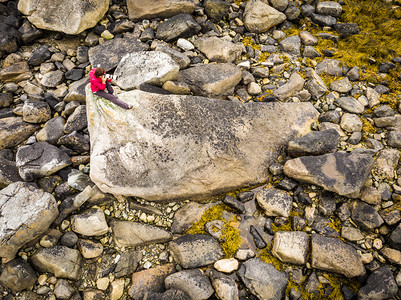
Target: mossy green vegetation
[[231, 239]]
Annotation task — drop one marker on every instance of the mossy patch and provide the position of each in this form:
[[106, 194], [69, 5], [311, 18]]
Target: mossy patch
[[367, 127], [230, 233]]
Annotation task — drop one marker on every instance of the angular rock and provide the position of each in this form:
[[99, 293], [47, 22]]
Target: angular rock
[[220, 50], [77, 120], [26, 214], [330, 66], [315, 85], [76, 17], [17, 275], [179, 26], [91, 222], [291, 45], [149, 280], [315, 143], [52, 79], [262, 279], [342, 85], [310, 52], [36, 111], [291, 246], [192, 251], [193, 282], [340, 172], [224, 286], [16, 72], [127, 263], [40, 159], [290, 88], [329, 8], [90, 249], [274, 202], [210, 80], [60, 260], [187, 215], [63, 290], [152, 67], [8, 172], [180, 58], [217, 9], [208, 128], [40, 55], [52, 131], [366, 216], [350, 105], [380, 285], [75, 141], [386, 161], [109, 54], [351, 122], [260, 17], [76, 91], [131, 234], [139, 9], [333, 255]]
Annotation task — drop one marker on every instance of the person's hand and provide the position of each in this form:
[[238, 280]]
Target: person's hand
[[103, 79]]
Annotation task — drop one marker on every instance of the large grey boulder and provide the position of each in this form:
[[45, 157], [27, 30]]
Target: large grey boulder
[[76, 91], [263, 279], [180, 147], [152, 67], [68, 16], [26, 213], [333, 255], [381, 284], [13, 131], [109, 54], [340, 172], [180, 26], [212, 80], [144, 9], [218, 49], [260, 17], [60, 260], [40, 159]]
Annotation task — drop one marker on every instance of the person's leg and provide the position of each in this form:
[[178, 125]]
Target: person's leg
[[113, 99], [109, 88]]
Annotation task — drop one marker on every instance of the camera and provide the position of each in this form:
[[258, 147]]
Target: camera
[[110, 76]]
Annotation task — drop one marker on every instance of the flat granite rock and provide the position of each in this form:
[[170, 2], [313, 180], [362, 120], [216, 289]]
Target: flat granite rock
[[340, 172], [172, 147]]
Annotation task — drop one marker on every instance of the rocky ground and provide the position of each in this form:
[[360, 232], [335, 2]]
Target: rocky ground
[[292, 151]]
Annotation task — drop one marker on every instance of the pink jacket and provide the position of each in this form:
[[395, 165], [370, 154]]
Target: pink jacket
[[96, 83]]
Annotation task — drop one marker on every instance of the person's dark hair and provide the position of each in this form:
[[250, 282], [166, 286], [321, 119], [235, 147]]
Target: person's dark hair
[[99, 72]]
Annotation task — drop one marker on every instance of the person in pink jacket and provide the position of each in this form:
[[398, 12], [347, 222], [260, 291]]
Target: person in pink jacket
[[98, 85]]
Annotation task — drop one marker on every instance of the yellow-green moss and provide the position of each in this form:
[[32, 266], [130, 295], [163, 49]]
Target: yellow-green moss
[[367, 128], [230, 233], [269, 258], [390, 99], [285, 227]]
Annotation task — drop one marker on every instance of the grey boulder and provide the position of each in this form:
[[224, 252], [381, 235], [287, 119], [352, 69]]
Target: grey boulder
[[141, 9], [13, 131], [260, 17], [340, 172], [175, 147], [218, 49], [26, 214]]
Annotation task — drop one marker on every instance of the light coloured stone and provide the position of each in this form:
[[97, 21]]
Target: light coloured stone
[[291, 246], [226, 265], [140, 9], [145, 160], [90, 223], [218, 49], [290, 88], [260, 17]]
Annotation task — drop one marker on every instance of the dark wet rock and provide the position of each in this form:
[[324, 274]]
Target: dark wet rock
[[366, 216], [13, 131], [327, 204], [69, 239], [127, 233], [380, 285], [386, 66], [179, 26], [395, 238], [76, 91], [17, 275], [149, 280], [291, 45], [262, 279], [234, 203], [52, 131], [128, 263], [29, 33], [257, 238], [40, 159], [63, 289], [9, 39], [109, 54], [274, 202], [75, 141], [60, 260], [314, 143], [192, 251], [331, 116], [193, 282], [323, 226], [323, 20], [40, 55], [8, 172], [315, 85], [77, 120], [346, 29], [333, 255], [17, 72], [340, 172], [74, 74]]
